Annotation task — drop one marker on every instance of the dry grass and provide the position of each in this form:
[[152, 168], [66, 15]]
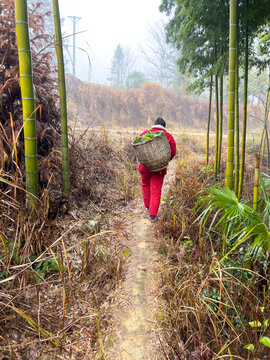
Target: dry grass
[[208, 305], [58, 264]]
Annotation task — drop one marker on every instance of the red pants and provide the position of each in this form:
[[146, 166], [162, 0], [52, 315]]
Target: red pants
[[151, 189]]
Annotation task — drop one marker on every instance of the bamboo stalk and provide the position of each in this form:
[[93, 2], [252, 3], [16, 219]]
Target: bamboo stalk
[[256, 183], [236, 171], [208, 119], [266, 116], [217, 128], [63, 102], [28, 103], [231, 99], [244, 129], [220, 120]]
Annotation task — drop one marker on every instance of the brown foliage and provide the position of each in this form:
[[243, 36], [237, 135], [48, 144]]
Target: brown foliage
[[205, 309], [45, 91], [69, 302], [133, 108], [102, 105]]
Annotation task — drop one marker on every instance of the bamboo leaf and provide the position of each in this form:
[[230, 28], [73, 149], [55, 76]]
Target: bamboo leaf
[[230, 353], [46, 334], [255, 324], [265, 341], [250, 347]]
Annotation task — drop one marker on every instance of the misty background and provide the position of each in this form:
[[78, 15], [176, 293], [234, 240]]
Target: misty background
[[122, 44], [101, 26]]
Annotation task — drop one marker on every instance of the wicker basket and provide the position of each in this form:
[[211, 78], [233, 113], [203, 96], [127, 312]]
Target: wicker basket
[[154, 154]]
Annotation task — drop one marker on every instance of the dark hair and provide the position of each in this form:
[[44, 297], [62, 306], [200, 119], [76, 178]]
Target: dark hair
[[160, 121]]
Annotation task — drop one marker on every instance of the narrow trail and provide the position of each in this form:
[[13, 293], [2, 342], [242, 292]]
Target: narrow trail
[[136, 307], [136, 335]]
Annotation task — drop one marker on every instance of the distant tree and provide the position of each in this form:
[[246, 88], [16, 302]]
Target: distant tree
[[135, 79], [257, 85], [121, 66], [159, 56]]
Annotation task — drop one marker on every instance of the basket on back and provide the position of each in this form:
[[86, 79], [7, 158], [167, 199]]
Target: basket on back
[[154, 154]]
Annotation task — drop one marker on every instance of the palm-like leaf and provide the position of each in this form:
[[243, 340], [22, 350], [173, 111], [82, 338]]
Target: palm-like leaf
[[264, 187], [233, 215], [234, 219], [265, 181], [261, 240]]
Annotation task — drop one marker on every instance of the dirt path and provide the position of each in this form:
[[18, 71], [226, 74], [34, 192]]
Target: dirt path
[[137, 304], [136, 336]]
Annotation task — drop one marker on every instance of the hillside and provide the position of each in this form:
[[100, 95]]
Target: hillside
[[98, 105], [93, 105]]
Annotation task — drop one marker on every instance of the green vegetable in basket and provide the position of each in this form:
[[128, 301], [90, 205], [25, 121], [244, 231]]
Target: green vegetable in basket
[[147, 137]]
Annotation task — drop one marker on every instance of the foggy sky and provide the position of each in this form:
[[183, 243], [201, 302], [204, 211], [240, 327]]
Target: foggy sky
[[108, 23]]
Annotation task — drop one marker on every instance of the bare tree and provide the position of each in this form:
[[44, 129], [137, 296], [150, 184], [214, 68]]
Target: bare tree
[[159, 56], [122, 64]]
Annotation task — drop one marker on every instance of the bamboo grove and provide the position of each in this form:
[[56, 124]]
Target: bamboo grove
[[28, 101], [216, 39]]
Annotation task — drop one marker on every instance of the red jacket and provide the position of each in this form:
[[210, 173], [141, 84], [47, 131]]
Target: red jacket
[[171, 140]]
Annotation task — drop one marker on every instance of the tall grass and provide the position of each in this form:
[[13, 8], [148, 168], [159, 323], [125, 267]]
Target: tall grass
[[209, 305], [59, 262]]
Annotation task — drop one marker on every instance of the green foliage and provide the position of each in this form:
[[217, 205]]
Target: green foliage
[[200, 30], [264, 340], [147, 137], [135, 80], [249, 347], [212, 298], [223, 202], [235, 220], [44, 267]]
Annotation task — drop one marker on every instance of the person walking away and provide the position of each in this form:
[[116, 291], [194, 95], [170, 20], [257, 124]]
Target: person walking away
[[152, 181]]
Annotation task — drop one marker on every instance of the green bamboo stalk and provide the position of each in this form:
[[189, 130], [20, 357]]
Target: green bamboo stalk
[[244, 128], [236, 184], [231, 99], [268, 149], [217, 128], [28, 102], [208, 119], [256, 183], [63, 102], [220, 121], [266, 117]]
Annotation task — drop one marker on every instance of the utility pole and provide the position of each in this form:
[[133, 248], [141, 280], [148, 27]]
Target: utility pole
[[75, 20]]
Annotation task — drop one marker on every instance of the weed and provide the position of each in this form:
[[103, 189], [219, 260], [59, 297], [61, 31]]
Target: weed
[[52, 275], [208, 301]]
